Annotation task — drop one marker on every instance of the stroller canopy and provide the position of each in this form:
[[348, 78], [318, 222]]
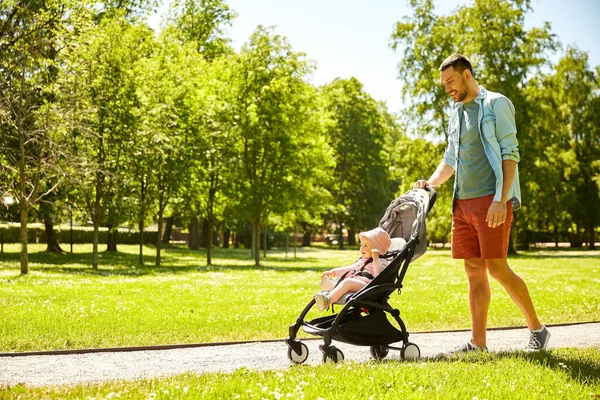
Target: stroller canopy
[[405, 218]]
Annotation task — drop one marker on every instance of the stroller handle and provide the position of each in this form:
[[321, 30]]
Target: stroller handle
[[432, 196]]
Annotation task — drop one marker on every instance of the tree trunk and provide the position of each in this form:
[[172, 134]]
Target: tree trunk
[[236, 240], [351, 238], [193, 237], [23, 206], [111, 239], [591, 236], [204, 236], [142, 218], [96, 220], [209, 244], [256, 243], [306, 239], [141, 239], [158, 236], [23, 232], [226, 238], [168, 229], [265, 243], [52, 243]]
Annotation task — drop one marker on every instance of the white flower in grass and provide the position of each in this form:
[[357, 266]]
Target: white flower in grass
[[185, 389]]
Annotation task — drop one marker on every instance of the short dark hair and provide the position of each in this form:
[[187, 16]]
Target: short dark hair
[[459, 62]]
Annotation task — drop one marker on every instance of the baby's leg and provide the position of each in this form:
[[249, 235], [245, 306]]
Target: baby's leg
[[347, 285]]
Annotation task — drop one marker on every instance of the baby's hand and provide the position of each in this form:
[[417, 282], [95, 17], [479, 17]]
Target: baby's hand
[[375, 254], [327, 273]]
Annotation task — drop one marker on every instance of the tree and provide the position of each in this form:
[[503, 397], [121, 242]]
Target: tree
[[31, 154], [505, 56], [271, 128], [98, 88], [202, 22], [356, 133]]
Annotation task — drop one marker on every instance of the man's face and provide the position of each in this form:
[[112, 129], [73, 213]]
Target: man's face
[[454, 83]]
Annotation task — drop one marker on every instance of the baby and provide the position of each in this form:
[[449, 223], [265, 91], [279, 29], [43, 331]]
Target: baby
[[358, 275]]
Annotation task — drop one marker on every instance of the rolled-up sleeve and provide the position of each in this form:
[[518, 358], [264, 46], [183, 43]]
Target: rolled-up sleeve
[[506, 129]]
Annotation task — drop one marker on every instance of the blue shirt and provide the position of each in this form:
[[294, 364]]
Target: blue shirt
[[498, 132], [475, 176]]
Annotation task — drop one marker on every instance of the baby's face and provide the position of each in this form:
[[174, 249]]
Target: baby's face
[[365, 248]]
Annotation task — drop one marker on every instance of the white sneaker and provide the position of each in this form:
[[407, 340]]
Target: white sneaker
[[322, 301]]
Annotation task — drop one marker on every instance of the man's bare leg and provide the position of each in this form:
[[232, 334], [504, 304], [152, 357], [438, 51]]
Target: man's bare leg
[[516, 288], [479, 299]]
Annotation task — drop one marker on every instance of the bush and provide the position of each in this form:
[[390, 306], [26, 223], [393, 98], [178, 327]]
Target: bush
[[37, 234]]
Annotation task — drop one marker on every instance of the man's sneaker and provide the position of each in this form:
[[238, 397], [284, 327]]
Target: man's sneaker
[[538, 340], [464, 348], [322, 301]]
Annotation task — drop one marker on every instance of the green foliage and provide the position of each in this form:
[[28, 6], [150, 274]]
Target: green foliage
[[202, 23], [356, 131]]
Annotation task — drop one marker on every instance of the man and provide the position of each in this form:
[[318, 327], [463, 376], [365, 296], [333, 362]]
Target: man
[[483, 153]]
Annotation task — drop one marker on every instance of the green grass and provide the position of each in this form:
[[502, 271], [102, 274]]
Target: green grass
[[64, 304], [558, 374]]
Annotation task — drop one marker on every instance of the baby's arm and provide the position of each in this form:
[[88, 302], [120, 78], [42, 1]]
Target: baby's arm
[[338, 271], [377, 266]]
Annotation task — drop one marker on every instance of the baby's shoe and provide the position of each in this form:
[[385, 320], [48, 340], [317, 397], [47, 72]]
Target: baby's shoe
[[322, 301]]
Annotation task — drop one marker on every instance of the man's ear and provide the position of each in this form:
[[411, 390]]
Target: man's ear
[[467, 74]]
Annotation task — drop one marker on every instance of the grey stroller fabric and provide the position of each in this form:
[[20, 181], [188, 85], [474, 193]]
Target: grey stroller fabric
[[405, 218]]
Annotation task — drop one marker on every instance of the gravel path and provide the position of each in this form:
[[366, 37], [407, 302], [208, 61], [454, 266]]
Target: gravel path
[[41, 370]]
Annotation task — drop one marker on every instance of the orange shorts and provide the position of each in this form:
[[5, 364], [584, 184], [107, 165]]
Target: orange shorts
[[471, 235]]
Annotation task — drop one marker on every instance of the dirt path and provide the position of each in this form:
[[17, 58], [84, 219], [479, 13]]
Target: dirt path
[[41, 370]]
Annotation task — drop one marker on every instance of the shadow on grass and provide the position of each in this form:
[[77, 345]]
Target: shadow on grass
[[174, 260], [581, 367]]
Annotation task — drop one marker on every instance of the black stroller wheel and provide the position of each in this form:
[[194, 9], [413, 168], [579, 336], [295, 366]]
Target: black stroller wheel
[[410, 352], [378, 352], [298, 358], [332, 355]]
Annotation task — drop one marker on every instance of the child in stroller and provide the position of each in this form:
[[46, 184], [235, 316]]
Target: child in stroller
[[363, 318], [358, 275]]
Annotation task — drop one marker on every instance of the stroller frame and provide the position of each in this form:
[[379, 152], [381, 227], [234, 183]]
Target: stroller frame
[[369, 304]]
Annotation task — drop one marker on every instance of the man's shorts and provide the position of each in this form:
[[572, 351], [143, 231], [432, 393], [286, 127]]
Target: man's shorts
[[471, 235]]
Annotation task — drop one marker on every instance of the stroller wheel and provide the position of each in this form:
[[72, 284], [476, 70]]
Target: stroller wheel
[[332, 355], [410, 352], [298, 358], [379, 352]]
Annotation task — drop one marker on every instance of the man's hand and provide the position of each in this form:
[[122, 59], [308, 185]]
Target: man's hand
[[420, 184], [496, 215]]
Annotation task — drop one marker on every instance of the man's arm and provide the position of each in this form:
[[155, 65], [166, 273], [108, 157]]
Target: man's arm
[[496, 215], [442, 173]]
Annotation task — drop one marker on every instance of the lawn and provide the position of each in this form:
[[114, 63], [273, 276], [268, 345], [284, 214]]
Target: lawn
[[65, 304], [559, 374]]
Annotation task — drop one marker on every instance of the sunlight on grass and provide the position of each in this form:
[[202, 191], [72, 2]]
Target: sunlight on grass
[[63, 303], [558, 374]]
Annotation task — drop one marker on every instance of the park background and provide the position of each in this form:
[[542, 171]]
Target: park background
[[125, 118], [112, 123]]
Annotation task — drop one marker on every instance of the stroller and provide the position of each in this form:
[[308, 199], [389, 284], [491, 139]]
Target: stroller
[[362, 320]]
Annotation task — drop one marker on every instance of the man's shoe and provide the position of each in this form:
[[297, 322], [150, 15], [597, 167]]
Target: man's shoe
[[538, 340], [322, 301], [464, 348]]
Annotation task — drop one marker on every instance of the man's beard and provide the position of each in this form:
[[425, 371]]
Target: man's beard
[[462, 92]]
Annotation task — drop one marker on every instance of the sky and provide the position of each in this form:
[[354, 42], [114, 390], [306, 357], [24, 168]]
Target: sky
[[347, 38]]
